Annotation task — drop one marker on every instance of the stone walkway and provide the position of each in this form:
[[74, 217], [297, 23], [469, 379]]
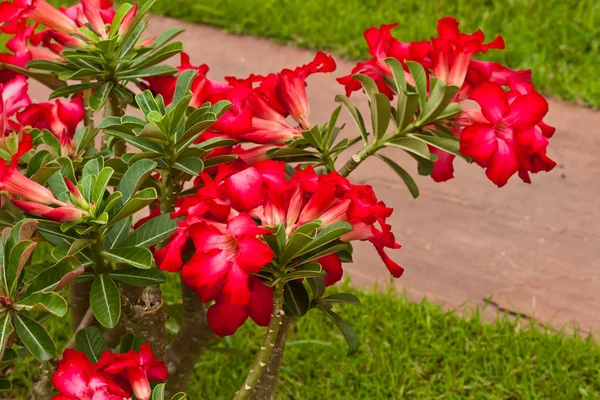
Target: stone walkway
[[533, 249]]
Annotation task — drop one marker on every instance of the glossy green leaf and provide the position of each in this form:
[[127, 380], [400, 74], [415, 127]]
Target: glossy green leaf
[[138, 277], [451, 146], [140, 200], [355, 114], [398, 74], [100, 95], [90, 341], [159, 392], [152, 232], [380, 114], [135, 175], [17, 259], [347, 298], [105, 301], [411, 145], [118, 233], [138, 257], [406, 178], [68, 90], [5, 385], [101, 184], [327, 235], [35, 337], [347, 331], [49, 302], [6, 329], [420, 77], [156, 70], [191, 165], [295, 298]]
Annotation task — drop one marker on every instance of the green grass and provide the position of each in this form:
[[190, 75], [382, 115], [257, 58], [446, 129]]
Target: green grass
[[558, 39], [408, 350]]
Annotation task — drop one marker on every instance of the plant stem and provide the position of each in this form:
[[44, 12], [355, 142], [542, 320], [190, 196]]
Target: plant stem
[[120, 147], [265, 389], [88, 116], [372, 148], [42, 389], [264, 354]]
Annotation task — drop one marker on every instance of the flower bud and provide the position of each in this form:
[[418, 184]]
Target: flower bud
[[128, 20]]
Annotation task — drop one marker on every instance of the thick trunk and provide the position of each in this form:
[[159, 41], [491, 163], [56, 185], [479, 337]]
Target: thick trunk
[[190, 342], [146, 316]]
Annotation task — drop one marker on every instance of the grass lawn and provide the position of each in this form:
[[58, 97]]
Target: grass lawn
[[558, 39], [408, 350]]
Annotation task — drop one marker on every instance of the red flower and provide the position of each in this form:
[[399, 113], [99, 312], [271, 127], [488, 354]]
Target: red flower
[[61, 118], [291, 90], [77, 379], [504, 138], [333, 265], [134, 371], [13, 96], [39, 11], [227, 257], [225, 318], [381, 46], [451, 53]]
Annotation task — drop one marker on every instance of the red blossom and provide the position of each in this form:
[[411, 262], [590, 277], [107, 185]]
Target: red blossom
[[504, 137]]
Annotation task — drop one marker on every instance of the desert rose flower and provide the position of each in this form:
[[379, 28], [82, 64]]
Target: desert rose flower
[[504, 137], [39, 11], [134, 370], [227, 257], [17, 184], [76, 378], [66, 213]]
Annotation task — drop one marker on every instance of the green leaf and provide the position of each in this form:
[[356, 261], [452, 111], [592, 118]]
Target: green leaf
[[451, 146], [368, 85], [179, 396], [347, 298], [118, 18], [141, 199], [156, 70], [317, 285], [406, 108], [56, 276], [135, 175], [6, 329], [408, 180], [130, 342], [329, 138], [328, 235], [380, 114], [46, 65], [69, 90], [146, 102], [183, 85], [355, 114], [118, 233], [412, 145], [49, 302], [152, 232], [17, 259], [159, 392], [101, 184], [161, 55], [90, 341], [398, 74], [295, 298], [5, 385], [439, 98], [420, 77], [138, 257], [190, 165], [224, 159], [139, 142], [35, 337], [138, 277], [100, 95], [347, 331], [105, 301]]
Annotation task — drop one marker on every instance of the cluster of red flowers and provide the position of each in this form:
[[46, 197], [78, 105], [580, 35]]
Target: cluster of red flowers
[[113, 377], [30, 43], [261, 104], [228, 245], [507, 136]]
